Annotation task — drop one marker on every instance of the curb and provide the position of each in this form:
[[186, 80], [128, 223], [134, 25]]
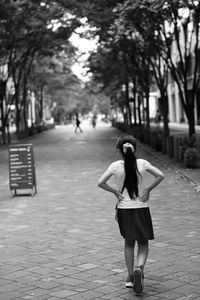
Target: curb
[[180, 173]]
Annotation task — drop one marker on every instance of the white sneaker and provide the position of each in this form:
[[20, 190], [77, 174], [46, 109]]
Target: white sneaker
[[129, 281], [129, 284]]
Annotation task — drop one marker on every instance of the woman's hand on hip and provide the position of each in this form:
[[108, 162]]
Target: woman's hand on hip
[[145, 196], [119, 196]]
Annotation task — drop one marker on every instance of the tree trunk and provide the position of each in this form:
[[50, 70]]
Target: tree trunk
[[147, 110], [143, 110], [191, 121], [139, 112], [134, 110], [41, 103], [25, 107], [8, 132], [17, 110], [164, 112], [3, 123], [134, 102], [129, 115], [3, 133], [128, 111]]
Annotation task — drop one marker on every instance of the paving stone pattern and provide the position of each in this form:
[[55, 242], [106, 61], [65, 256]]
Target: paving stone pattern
[[64, 243]]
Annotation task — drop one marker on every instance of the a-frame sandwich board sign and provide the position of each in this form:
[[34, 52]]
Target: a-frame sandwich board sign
[[22, 168]]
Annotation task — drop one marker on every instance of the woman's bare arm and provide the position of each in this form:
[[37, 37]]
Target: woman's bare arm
[[102, 183], [158, 177]]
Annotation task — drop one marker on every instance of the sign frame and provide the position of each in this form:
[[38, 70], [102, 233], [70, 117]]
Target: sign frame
[[22, 168]]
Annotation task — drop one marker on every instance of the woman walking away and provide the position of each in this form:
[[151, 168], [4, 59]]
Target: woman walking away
[[133, 215]]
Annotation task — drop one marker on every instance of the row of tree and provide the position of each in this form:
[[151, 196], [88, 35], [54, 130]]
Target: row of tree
[[36, 56], [28, 34], [143, 42]]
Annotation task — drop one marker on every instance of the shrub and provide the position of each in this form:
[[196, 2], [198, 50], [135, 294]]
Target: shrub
[[192, 157], [187, 143]]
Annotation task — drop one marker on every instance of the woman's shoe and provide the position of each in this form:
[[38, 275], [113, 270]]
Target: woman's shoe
[[129, 281], [129, 284], [138, 280]]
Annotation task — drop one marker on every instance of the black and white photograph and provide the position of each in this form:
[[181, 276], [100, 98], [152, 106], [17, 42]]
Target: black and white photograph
[[99, 149]]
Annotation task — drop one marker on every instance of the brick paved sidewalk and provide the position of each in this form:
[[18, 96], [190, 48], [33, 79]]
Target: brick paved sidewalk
[[64, 243]]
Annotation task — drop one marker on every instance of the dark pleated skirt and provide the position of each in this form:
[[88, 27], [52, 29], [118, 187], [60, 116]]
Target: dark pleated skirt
[[135, 224]]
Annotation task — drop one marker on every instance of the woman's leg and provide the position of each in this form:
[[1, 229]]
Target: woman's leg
[[129, 255], [138, 275], [142, 254]]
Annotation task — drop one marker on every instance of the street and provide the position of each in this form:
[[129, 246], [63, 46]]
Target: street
[[63, 243]]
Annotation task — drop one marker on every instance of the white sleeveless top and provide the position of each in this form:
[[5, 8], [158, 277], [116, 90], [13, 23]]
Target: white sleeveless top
[[117, 169]]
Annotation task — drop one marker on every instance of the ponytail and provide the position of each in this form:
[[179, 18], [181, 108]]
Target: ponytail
[[127, 147], [131, 174]]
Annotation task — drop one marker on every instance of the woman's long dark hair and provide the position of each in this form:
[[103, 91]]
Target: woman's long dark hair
[[130, 165]]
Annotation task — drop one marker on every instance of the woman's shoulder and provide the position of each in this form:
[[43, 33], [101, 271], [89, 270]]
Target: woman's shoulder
[[116, 164], [142, 162]]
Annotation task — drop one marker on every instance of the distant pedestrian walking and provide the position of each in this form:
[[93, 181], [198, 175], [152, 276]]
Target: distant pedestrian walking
[[132, 210], [78, 122], [94, 121]]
